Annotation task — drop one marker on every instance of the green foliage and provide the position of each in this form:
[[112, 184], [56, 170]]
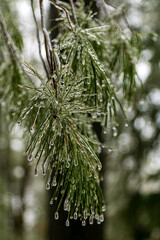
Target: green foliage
[[93, 59]]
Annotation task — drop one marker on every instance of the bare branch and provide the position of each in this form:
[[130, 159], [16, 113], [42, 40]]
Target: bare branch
[[48, 46], [38, 39], [66, 12], [15, 57]]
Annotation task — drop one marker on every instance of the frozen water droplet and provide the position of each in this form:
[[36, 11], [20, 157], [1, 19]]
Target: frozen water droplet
[[64, 56], [98, 221], [101, 218], [96, 216], [126, 125], [67, 223], [83, 223], [109, 150], [103, 208], [48, 186], [56, 215], [105, 131], [54, 182], [51, 201], [75, 216], [85, 214], [36, 172], [115, 132], [91, 220], [99, 167], [66, 205], [29, 157]]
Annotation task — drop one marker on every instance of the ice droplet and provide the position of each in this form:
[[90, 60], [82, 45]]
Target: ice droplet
[[56, 215], [30, 157], [85, 214], [66, 205], [75, 216], [101, 218], [48, 186], [99, 167], [91, 220], [36, 172], [54, 182], [83, 223], [115, 132], [126, 125], [67, 223], [103, 208]]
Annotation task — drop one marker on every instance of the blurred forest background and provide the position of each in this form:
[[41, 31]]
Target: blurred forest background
[[132, 170]]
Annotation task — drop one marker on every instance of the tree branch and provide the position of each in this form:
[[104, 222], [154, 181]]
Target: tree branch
[[48, 46], [67, 14], [38, 39]]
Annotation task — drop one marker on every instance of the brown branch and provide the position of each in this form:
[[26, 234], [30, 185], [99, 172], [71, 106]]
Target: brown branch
[[38, 39], [48, 46], [67, 14], [15, 57]]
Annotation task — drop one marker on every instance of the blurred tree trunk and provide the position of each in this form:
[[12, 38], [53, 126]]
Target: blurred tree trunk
[[57, 229]]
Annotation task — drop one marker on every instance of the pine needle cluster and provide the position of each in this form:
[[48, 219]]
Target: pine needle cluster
[[89, 62]]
